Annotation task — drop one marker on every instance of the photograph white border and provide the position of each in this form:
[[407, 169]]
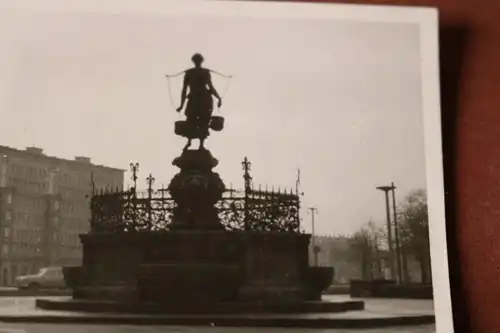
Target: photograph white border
[[426, 18]]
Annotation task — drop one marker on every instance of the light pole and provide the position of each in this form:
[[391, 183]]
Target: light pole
[[396, 234], [386, 190], [248, 188], [134, 168], [313, 211]]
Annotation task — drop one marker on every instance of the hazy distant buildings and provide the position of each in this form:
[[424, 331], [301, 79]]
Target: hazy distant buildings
[[336, 251], [44, 206], [341, 253]]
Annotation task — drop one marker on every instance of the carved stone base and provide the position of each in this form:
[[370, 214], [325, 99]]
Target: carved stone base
[[200, 159], [196, 189]]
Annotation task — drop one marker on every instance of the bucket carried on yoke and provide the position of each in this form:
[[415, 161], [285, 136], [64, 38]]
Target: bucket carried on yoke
[[181, 127], [216, 123]]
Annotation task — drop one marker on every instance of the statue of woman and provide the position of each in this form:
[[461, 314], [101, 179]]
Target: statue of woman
[[199, 106]]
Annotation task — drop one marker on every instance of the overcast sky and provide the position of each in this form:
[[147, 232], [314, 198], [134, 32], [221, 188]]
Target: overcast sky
[[341, 100]]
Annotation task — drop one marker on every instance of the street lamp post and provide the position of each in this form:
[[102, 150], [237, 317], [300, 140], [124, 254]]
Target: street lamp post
[[313, 211], [386, 190], [396, 234], [134, 167]]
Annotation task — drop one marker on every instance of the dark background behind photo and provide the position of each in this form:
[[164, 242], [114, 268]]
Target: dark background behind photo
[[470, 90]]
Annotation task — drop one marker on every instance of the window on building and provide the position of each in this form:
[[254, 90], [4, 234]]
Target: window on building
[[8, 216], [9, 198], [6, 232]]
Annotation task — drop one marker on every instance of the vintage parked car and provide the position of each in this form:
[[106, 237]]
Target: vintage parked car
[[46, 278]]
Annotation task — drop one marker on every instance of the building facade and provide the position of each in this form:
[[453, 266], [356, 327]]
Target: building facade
[[44, 207]]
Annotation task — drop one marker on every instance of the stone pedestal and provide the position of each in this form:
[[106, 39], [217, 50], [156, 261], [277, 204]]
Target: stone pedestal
[[201, 283], [188, 266], [196, 189], [275, 267]]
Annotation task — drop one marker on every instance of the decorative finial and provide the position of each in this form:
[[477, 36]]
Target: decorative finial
[[150, 179]]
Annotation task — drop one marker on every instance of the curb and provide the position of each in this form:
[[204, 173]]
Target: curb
[[233, 321], [35, 293], [234, 309]]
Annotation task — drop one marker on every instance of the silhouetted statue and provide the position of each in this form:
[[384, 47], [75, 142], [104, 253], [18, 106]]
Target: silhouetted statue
[[200, 103]]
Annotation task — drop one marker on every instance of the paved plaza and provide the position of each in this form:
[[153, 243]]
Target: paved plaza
[[55, 328], [25, 306]]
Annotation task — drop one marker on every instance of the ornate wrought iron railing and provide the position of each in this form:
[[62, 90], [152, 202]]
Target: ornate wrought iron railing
[[250, 209]]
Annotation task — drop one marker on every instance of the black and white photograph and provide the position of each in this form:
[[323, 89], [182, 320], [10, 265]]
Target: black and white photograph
[[220, 166]]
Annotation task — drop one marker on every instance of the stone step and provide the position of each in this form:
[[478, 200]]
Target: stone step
[[199, 308]]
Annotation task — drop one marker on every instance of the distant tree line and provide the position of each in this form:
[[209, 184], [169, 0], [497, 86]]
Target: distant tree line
[[364, 249], [369, 244]]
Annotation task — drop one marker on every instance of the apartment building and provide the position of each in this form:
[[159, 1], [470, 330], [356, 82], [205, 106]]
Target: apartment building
[[44, 207]]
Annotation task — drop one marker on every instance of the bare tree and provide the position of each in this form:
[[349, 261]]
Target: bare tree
[[414, 231], [365, 247]]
